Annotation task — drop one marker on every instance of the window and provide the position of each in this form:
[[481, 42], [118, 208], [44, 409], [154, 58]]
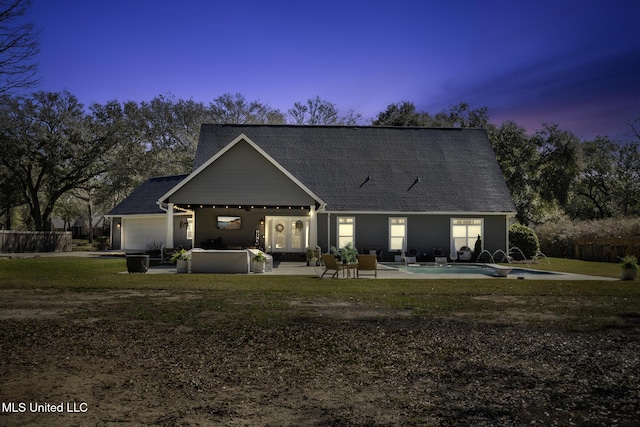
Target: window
[[397, 234], [346, 231], [465, 232]]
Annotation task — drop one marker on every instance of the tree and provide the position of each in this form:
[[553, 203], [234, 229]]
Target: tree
[[320, 112], [51, 146], [68, 209], [10, 197], [461, 115], [352, 118], [167, 129], [18, 47], [128, 159], [557, 163], [236, 109], [517, 157], [627, 173], [401, 114], [592, 194]]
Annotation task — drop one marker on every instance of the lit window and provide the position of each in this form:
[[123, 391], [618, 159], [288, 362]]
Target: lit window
[[465, 232], [346, 231], [397, 234]]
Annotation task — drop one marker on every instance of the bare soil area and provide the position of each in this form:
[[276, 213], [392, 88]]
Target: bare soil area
[[192, 358]]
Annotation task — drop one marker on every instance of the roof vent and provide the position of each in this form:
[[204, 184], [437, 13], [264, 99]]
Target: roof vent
[[366, 180], [414, 183]]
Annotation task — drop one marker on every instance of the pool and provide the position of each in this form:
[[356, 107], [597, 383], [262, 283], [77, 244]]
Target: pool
[[467, 269]]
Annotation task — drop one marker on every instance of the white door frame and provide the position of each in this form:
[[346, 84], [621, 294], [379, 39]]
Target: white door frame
[[287, 223]]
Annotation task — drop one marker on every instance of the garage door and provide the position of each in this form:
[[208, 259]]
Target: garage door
[[140, 233]]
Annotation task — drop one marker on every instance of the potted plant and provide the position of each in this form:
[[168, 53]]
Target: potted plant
[[348, 254], [629, 267], [181, 259], [312, 257], [259, 261]]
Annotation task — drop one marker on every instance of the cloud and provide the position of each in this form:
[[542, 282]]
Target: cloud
[[588, 97]]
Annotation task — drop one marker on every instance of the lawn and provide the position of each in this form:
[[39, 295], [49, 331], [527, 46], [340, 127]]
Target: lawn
[[603, 269], [295, 350]]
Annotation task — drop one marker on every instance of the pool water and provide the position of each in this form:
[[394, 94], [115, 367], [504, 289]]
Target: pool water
[[466, 269]]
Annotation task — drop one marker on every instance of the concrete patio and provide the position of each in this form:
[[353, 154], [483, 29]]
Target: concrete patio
[[390, 272], [285, 268]]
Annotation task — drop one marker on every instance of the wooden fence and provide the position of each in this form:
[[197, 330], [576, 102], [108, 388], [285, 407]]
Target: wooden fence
[[607, 249], [12, 241]]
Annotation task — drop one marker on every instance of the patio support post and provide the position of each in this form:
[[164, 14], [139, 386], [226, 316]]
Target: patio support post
[[313, 227], [328, 232], [506, 223], [169, 243]]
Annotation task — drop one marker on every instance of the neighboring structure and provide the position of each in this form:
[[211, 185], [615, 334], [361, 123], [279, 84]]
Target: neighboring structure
[[79, 227], [286, 188]]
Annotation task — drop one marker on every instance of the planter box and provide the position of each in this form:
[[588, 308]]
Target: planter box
[[182, 266], [629, 274], [258, 267], [220, 261]]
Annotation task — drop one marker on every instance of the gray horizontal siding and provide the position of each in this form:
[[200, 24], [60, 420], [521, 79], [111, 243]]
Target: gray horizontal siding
[[242, 176], [424, 232]]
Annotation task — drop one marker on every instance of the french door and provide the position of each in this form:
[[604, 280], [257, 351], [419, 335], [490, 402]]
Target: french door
[[288, 234]]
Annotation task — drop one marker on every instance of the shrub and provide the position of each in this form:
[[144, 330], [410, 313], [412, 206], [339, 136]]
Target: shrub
[[477, 248], [525, 239], [102, 243], [558, 239]]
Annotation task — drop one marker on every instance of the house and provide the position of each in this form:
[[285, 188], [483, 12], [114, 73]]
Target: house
[[286, 188], [139, 222], [79, 226]]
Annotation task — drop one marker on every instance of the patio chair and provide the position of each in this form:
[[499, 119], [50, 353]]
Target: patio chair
[[441, 261], [166, 254], [376, 252], [411, 258], [368, 263], [465, 253], [437, 252], [330, 263]]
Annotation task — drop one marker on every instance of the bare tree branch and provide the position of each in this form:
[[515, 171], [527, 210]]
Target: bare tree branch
[[18, 47]]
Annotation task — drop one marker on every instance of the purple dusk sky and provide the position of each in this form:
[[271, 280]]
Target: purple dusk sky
[[575, 63]]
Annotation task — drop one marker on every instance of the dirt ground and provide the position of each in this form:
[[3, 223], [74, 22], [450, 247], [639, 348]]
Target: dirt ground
[[165, 358]]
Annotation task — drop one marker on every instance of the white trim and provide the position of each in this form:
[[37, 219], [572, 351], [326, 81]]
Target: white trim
[[328, 232], [506, 233], [313, 227], [241, 137], [353, 236], [169, 225], [482, 236], [404, 237], [146, 215], [270, 233], [117, 228]]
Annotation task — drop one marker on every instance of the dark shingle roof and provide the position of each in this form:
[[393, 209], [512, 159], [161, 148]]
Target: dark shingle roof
[[144, 199], [376, 168]]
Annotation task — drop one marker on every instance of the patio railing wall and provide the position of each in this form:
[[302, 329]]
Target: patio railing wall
[[607, 249], [12, 241]]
